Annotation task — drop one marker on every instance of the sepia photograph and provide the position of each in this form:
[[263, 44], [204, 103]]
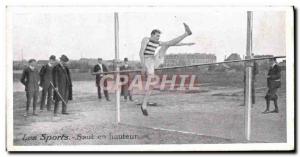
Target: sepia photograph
[[152, 78]]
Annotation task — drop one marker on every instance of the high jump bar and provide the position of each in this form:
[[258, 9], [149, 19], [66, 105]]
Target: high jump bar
[[193, 65]]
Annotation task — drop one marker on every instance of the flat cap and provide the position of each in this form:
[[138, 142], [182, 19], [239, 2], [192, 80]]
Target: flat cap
[[64, 58]]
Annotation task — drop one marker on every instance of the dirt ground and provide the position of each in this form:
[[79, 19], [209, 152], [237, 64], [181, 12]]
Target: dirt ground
[[93, 118], [215, 111], [210, 115]]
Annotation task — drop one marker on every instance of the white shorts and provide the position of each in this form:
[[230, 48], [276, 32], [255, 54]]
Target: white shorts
[[153, 62]]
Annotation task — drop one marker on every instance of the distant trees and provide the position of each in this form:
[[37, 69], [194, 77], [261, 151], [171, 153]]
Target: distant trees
[[238, 66]]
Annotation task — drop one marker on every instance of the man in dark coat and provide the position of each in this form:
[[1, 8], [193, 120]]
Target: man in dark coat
[[46, 77], [99, 68], [30, 79], [273, 82], [62, 83], [125, 87]]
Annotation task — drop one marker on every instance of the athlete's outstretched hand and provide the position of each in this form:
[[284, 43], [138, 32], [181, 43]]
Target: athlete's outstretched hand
[[190, 44]]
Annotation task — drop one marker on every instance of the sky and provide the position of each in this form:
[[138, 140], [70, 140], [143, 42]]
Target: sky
[[91, 35]]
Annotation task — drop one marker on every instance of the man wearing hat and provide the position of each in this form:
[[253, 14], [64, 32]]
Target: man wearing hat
[[30, 79], [125, 87], [100, 68], [46, 77], [62, 83], [273, 83]]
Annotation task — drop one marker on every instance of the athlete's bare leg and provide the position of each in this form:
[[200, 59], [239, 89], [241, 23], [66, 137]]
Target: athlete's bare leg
[[176, 40], [145, 100]]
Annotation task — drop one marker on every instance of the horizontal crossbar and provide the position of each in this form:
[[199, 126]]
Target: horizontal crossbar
[[193, 65]]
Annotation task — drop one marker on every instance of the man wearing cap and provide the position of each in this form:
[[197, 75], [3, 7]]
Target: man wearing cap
[[46, 77], [273, 82], [62, 83], [100, 68], [30, 79], [125, 87]]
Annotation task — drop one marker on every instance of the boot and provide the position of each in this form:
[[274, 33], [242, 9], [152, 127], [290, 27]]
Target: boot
[[276, 107]]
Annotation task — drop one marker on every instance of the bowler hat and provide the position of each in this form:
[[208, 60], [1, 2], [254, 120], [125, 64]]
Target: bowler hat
[[64, 58], [52, 57], [31, 60]]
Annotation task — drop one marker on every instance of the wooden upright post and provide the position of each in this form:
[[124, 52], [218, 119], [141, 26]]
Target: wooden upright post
[[116, 30], [248, 100]]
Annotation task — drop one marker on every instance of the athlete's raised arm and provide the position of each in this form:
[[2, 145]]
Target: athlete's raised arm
[[184, 44]]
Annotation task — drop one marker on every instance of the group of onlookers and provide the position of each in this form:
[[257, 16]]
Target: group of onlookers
[[53, 76], [55, 80], [102, 70]]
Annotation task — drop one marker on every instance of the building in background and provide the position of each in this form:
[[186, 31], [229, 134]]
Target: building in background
[[188, 59]]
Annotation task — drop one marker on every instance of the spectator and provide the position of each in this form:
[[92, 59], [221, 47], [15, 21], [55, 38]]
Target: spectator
[[273, 82], [30, 79], [46, 78], [63, 84], [100, 68], [125, 87]]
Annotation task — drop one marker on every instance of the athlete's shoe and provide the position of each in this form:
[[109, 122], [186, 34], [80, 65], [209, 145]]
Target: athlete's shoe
[[144, 111], [187, 29]]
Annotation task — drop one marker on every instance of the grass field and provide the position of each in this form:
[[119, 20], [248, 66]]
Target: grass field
[[210, 115]]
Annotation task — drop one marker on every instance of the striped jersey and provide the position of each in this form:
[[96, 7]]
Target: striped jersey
[[151, 47]]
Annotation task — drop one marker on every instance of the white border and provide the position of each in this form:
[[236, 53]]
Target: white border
[[164, 147]]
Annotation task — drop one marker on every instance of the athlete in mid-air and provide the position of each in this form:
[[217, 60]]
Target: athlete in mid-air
[[150, 60]]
